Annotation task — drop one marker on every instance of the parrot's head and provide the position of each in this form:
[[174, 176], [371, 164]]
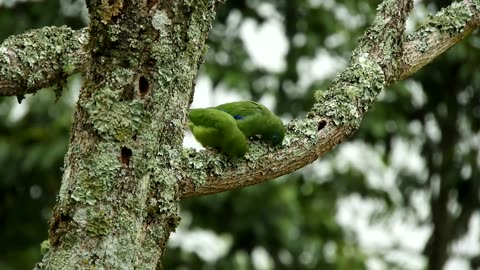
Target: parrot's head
[[275, 132], [276, 137]]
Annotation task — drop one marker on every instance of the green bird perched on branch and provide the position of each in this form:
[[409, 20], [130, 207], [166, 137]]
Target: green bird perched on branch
[[255, 119], [217, 129]]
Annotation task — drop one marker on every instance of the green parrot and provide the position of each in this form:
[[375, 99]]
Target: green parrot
[[255, 119], [217, 129]]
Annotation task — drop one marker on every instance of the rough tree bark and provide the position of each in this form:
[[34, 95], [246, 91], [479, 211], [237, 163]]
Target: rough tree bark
[[125, 169]]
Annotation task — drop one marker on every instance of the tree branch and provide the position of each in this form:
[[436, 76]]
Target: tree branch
[[307, 140], [381, 58], [448, 27], [40, 58], [334, 117]]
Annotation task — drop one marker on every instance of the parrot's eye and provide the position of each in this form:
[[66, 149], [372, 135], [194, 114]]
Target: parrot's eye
[[275, 137]]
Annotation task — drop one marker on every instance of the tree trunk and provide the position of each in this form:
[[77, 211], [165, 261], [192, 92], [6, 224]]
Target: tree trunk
[[119, 196]]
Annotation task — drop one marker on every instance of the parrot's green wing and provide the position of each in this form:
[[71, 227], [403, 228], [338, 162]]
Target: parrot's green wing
[[243, 109], [255, 119], [208, 119]]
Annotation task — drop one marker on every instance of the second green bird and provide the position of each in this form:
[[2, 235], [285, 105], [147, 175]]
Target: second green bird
[[217, 129]]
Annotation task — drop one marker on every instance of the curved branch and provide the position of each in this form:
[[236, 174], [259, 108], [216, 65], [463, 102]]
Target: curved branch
[[312, 138], [448, 27], [40, 58], [334, 117]]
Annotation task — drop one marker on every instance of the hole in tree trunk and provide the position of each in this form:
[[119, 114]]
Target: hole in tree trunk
[[143, 86], [126, 154], [321, 125]]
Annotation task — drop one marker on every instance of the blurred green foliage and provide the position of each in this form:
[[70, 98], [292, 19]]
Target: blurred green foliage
[[31, 156], [293, 218]]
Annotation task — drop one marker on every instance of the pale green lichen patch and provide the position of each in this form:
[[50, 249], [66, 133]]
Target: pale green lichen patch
[[44, 246], [114, 32], [194, 33], [163, 182], [161, 22], [256, 150], [196, 163], [451, 19], [69, 67], [421, 39], [104, 164], [303, 133], [476, 4], [113, 117], [83, 194], [209, 161], [100, 221], [202, 163], [302, 128], [352, 92]]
